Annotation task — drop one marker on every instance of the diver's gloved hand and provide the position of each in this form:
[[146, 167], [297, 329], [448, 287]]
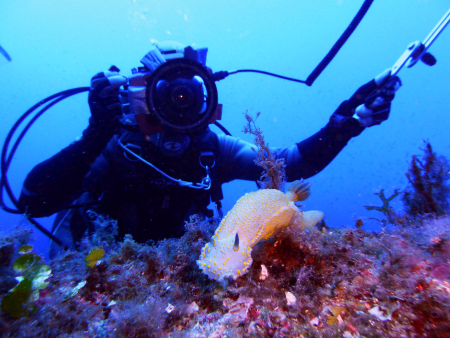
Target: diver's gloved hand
[[377, 107], [370, 105], [104, 100]]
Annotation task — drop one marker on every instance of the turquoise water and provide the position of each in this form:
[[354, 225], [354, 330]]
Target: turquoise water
[[57, 45]]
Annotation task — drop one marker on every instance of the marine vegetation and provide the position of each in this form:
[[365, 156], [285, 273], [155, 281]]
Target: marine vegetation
[[427, 194], [385, 209], [273, 175], [20, 300], [9, 251], [94, 255], [428, 190]]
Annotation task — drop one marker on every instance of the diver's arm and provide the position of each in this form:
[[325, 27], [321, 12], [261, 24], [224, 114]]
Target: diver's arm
[[320, 149], [370, 105], [56, 182], [309, 157], [237, 160], [237, 157]]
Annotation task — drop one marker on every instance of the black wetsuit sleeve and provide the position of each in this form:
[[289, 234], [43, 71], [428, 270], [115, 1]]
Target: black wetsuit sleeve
[[321, 148], [56, 182], [318, 150]]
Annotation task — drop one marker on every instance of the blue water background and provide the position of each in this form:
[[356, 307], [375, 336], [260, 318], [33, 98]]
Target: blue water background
[[57, 45]]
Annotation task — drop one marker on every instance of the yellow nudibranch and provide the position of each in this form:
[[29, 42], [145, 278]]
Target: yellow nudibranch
[[255, 217]]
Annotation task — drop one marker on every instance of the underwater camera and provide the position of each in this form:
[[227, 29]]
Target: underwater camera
[[172, 92]]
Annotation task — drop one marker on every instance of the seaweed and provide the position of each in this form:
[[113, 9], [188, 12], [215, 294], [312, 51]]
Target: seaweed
[[427, 193], [273, 175], [20, 300], [428, 190], [386, 209]]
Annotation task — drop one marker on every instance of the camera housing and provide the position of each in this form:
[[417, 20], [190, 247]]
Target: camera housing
[[173, 92]]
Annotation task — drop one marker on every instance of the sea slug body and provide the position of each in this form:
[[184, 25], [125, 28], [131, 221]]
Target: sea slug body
[[255, 217]]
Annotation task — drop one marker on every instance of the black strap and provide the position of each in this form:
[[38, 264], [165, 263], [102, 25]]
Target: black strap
[[322, 65], [339, 43]]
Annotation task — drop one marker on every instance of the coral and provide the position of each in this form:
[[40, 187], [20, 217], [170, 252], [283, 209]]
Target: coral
[[428, 189], [255, 217], [273, 175]]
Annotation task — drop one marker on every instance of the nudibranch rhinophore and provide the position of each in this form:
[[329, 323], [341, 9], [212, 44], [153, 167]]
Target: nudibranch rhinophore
[[255, 217]]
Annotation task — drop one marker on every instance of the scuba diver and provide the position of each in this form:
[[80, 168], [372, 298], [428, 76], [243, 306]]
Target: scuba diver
[[149, 160]]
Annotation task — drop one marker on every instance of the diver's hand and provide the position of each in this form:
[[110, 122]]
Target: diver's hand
[[369, 105], [104, 100], [377, 106]]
